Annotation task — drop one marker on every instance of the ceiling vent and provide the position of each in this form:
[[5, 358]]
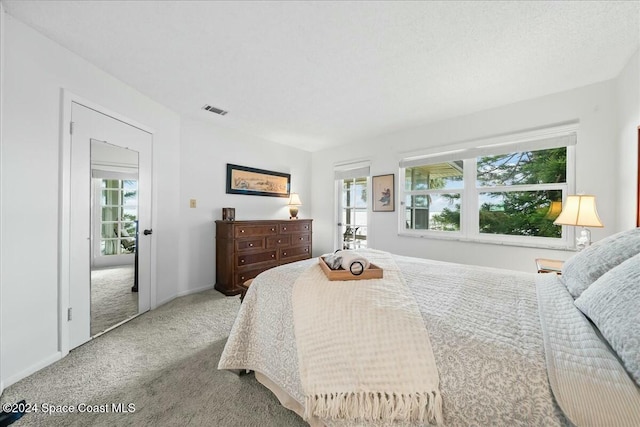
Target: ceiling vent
[[214, 110]]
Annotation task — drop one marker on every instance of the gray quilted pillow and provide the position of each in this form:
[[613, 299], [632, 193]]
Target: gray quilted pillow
[[613, 304], [587, 266]]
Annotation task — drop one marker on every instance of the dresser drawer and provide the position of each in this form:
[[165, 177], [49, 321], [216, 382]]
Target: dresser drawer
[[300, 239], [278, 241], [244, 276], [244, 244], [295, 227], [256, 230], [248, 259], [294, 252]]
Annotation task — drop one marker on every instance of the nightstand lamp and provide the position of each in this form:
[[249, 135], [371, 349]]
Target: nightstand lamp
[[294, 202], [580, 211]]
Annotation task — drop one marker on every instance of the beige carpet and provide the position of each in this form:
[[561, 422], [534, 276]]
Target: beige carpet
[[111, 298], [163, 362]]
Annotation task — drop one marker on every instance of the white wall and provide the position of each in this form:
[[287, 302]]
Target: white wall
[[35, 70], [628, 93], [1, 145], [205, 151], [594, 106]]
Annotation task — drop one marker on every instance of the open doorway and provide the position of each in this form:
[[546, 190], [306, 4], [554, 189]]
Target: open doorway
[[114, 225], [352, 206], [353, 210]]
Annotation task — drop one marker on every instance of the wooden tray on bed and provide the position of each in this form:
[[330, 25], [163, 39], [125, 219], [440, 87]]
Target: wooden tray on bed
[[373, 272]]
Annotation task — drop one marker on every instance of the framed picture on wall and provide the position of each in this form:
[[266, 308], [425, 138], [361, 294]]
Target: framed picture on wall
[[384, 194], [257, 182]]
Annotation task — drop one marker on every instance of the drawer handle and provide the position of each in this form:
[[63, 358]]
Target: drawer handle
[[284, 228], [306, 249], [273, 229], [250, 244], [242, 261], [306, 227], [302, 238], [279, 241], [241, 277], [273, 256], [285, 254], [242, 231]]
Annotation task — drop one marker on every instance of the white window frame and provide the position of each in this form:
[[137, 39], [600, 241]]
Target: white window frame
[[470, 193], [98, 259], [428, 193]]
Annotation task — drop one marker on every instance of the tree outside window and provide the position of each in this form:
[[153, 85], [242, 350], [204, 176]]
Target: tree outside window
[[513, 193]]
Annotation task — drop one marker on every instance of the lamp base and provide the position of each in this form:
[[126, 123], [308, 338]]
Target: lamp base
[[293, 211], [584, 240]]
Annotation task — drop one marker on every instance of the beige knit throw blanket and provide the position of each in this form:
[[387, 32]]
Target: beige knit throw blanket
[[363, 349]]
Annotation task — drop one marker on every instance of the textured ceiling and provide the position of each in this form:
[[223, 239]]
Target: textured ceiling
[[318, 74]]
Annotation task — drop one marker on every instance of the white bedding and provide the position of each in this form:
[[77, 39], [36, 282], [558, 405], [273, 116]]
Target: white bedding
[[483, 324], [369, 357]]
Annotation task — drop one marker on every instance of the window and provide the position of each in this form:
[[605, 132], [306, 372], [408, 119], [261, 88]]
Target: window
[[516, 192], [507, 192], [118, 216], [432, 196]]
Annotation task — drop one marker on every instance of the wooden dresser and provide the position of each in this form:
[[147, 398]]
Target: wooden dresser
[[245, 249]]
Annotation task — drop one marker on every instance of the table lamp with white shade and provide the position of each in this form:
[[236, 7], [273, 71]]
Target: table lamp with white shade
[[580, 210], [294, 202]]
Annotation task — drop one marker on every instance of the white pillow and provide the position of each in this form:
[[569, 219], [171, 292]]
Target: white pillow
[[587, 266], [613, 303]]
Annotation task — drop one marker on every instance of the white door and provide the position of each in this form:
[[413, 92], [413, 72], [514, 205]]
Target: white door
[[89, 124]]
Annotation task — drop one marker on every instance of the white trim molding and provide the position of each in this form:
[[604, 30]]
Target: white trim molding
[[32, 369], [67, 98]]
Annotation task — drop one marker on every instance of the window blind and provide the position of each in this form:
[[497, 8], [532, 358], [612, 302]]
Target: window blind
[[105, 174], [351, 170], [490, 150]]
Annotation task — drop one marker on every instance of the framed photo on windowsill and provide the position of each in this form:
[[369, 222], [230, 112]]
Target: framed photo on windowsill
[[384, 193]]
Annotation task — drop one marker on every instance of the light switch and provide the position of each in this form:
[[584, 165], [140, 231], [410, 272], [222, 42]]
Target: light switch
[[192, 203]]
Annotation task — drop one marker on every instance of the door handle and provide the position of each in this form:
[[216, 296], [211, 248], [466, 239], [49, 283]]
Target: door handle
[[147, 232]]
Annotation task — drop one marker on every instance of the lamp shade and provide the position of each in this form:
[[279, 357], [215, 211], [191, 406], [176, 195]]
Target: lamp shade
[[579, 210], [554, 210], [294, 200]]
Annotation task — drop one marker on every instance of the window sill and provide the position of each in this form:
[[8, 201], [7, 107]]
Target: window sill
[[537, 245]]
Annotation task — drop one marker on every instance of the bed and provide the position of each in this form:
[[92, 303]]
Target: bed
[[511, 348]]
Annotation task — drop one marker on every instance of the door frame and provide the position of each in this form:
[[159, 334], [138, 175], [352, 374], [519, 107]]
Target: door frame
[[638, 184], [338, 208], [337, 199], [64, 211]]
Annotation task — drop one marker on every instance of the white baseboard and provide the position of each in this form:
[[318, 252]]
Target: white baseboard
[[7, 382], [185, 293], [31, 370], [194, 291]]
